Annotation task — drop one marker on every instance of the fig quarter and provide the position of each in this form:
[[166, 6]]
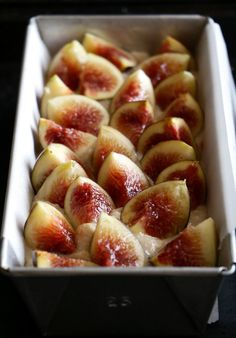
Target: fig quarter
[[114, 245], [121, 178], [78, 112], [164, 154], [194, 246], [161, 211], [47, 229], [85, 200], [119, 57]]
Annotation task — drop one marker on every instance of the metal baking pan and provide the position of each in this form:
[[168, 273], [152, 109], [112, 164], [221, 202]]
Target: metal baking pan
[[149, 300]]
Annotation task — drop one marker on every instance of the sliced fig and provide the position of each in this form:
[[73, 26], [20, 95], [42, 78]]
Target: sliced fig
[[78, 112], [137, 87], [186, 106], [161, 211], [46, 259], [47, 229], [194, 246], [56, 184], [164, 154], [120, 58], [173, 86], [99, 79], [114, 245], [82, 143], [49, 159], [84, 235], [54, 87], [132, 118], [165, 130], [171, 45], [67, 63], [85, 200], [110, 139], [121, 178], [190, 171], [161, 66]]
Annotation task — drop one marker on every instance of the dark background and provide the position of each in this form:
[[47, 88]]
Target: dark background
[[15, 320]]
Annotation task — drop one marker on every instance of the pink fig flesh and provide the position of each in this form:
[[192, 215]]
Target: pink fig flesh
[[47, 229], [161, 211], [119, 57], [186, 107], [164, 130], [161, 66], [114, 245], [85, 200], [195, 180], [110, 139], [132, 118], [194, 246], [137, 87], [121, 178], [173, 86], [70, 137], [164, 154], [77, 112], [50, 260]]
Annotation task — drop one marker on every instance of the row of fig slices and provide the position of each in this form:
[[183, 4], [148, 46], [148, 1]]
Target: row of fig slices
[[119, 174]]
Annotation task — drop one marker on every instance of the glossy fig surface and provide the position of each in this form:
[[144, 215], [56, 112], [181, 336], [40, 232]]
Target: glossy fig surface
[[114, 245], [161, 66], [173, 86], [85, 200], [99, 78], [53, 155], [121, 178], [164, 154], [165, 130], [118, 56], [194, 246], [68, 62], [192, 172], [80, 142], [78, 112], [110, 139], [186, 107], [47, 229], [56, 184], [132, 118], [137, 87], [161, 211]]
